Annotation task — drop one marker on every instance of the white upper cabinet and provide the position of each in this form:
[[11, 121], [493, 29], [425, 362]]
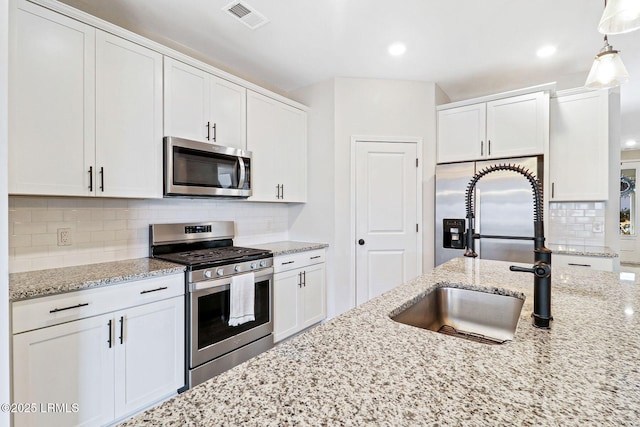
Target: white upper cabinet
[[52, 102], [509, 127], [277, 138], [186, 102], [461, 133], [128, 119], [203, 107], [517, 126], [228, 113], [85, 110], [578, 147]]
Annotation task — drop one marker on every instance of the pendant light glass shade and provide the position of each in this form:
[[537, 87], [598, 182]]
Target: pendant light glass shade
[[620, 16], [607, 69]]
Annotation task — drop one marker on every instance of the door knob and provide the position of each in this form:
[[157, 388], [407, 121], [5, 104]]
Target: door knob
[[361, 242]]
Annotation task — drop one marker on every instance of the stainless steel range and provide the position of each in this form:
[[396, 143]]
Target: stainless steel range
[[214, 265]]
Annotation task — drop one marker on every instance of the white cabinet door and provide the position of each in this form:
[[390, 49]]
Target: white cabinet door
[[262, 141], [228, 113], [292, 152], [128, 119], [578, 147], [71, 363], [314, 295], [517, 126], [51, 102], [276, 136], [461, 133], [186, 101], [150, 354], [286, 304]]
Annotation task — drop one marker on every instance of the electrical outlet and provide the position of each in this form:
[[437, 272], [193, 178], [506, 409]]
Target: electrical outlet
[[64, 237]]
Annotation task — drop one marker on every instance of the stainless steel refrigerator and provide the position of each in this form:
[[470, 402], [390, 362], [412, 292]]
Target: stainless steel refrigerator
[[503, 207]]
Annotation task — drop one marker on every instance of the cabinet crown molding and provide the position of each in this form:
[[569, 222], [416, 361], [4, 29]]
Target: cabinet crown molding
[[546, 87]]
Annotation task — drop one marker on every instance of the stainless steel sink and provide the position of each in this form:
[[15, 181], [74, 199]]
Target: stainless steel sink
[[479, 316]]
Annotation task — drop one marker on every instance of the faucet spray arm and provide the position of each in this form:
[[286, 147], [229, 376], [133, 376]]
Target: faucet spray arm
[[542, 267]]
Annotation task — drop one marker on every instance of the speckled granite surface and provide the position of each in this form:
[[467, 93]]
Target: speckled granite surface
[[39, 283], [290, 247], [362, 368], [596, 251]]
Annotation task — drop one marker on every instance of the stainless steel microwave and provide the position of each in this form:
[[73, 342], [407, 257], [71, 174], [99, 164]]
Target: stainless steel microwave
[[200, 169]]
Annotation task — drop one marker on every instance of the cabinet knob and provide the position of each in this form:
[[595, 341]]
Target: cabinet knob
[[361, 242]]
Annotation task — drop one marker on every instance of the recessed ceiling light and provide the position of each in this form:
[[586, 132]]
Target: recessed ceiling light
[[397, 49], [631, 143], [546, 51]]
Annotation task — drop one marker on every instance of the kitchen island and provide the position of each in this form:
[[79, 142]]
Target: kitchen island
[[362, 368]]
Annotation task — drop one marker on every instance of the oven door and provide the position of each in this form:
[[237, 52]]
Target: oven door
[[198, 169], [211, 336]]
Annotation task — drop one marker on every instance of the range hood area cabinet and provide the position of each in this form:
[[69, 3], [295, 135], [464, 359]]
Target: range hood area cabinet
[[508, 127], [277, 139], [579, 145], [85, 109], [203, 107]]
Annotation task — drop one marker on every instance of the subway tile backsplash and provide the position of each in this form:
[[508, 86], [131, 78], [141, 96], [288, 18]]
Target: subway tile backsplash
[[580, 223], [105, 230]]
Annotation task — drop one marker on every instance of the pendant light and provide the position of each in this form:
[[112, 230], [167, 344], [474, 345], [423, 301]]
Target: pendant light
[[607, 70], [620, 16]]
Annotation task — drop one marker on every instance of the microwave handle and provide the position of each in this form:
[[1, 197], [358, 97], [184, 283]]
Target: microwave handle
[[243, 176]]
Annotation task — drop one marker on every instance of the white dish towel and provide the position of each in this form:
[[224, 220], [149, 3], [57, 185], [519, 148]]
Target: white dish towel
[[242, 296]]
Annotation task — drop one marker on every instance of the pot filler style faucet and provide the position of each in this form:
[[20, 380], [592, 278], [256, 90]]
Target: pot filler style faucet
[[542, 267]]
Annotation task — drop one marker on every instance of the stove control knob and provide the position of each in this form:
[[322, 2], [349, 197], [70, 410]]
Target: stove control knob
[[253, 265], [207, 274], [220, 272], [263, 263], [236, 268]]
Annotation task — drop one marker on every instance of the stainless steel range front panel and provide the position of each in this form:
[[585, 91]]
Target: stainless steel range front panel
[[210, 337]]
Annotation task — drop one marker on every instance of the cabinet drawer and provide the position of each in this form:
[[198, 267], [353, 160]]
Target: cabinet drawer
[[300, 259], [52, 310], [578, 261]]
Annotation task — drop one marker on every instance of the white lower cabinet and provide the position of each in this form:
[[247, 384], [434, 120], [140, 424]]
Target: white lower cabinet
[[299, 293], [103, 367], [65, 364], [585, 262]]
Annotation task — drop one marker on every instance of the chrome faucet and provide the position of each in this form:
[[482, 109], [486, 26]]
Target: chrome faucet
[[542, 256]]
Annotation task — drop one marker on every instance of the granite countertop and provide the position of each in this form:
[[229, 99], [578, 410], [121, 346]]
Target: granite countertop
[[289, 247], [583, 250], [53, 281], [362, 368]]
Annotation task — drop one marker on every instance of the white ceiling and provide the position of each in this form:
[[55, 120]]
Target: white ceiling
[[468, 47]]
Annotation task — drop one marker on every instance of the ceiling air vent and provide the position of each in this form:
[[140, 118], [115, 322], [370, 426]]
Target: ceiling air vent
[[246, 14]]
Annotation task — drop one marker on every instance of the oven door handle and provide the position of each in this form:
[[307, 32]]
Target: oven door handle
[[221, 285]]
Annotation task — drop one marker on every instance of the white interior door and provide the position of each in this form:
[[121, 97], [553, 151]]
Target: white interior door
[[386, 202]]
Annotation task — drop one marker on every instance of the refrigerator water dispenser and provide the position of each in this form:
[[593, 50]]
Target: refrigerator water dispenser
[[453, 233]]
